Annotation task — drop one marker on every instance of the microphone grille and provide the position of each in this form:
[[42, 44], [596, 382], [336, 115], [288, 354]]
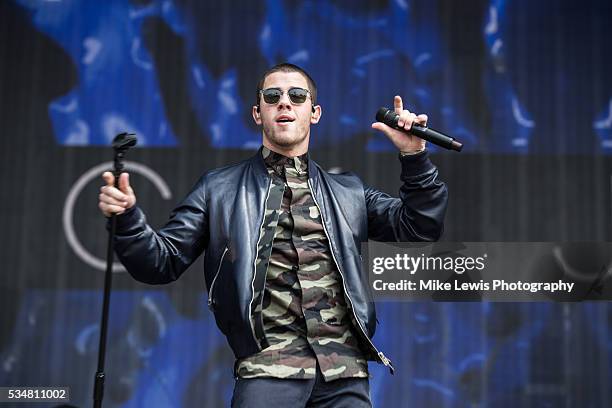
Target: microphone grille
[[380, 115], [386, 115]]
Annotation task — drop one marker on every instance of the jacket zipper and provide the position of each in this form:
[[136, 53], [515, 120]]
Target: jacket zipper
[[263, 218], [380, 354], [212, 284]]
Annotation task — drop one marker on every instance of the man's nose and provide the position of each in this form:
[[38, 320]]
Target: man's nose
[[284, 101]]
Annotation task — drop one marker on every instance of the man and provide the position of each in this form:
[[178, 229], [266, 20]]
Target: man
[[282, 250]]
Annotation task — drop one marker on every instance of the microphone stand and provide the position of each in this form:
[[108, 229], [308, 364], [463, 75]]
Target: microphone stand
[[121, 144]]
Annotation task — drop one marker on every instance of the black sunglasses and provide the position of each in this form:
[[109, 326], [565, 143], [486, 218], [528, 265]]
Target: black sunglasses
[[297, 96]]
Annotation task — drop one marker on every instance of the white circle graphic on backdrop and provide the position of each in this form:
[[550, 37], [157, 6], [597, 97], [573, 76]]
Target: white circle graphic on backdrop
[[73, 194]]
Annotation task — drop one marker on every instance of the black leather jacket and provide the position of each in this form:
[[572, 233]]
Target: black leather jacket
[[223, 214]]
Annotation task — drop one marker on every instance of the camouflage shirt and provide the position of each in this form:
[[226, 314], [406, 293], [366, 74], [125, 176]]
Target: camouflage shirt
[[303, 309]]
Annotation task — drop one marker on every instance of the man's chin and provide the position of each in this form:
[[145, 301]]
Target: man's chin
[[286, 142]]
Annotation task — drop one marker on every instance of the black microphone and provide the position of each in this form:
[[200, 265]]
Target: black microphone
[[390, 118]]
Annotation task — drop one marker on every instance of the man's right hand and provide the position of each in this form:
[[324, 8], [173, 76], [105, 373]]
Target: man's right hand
[[114, 200]]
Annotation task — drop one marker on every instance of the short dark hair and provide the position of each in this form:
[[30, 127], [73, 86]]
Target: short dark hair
[[287, 67]]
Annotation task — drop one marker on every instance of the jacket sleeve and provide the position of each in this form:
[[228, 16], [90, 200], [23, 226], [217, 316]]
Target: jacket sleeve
[[162, 256], [418, 215]]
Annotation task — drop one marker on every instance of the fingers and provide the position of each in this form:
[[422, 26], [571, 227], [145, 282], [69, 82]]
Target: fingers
[[112, 200], [397, 104], [421, 119], [404, 142], [395, 136], [109, 210], [108, 178], [381, 126], [407, 118], [405, 121], [105, 197], [124, 183], [113, 193]]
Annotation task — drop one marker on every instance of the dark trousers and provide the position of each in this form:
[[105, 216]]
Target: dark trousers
[[280, 393]]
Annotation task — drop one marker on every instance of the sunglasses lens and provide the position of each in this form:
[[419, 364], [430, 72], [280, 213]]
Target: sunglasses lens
[[298, 95], [271, 96]]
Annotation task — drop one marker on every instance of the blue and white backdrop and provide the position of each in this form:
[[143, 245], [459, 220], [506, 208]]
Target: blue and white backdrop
[[526, 85]]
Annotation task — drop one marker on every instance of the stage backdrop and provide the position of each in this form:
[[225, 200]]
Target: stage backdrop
[[526, 85]]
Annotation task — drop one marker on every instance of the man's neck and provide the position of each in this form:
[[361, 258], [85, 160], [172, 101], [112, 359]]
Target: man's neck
[[293, 151]]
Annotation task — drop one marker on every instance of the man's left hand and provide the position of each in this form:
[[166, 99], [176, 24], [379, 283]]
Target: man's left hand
[[404, 142]]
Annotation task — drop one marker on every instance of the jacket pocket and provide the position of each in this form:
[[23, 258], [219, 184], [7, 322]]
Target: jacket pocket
[[211, 294]]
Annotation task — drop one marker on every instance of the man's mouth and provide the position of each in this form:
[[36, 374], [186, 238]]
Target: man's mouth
[[284, 119]]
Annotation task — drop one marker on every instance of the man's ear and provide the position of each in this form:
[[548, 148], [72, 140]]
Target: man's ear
[[256, 115], [315, 116]]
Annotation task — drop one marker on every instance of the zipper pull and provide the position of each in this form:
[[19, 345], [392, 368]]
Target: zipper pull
[[386, 362]]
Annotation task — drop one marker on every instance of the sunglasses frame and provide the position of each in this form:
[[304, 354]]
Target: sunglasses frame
[[308, 93]]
